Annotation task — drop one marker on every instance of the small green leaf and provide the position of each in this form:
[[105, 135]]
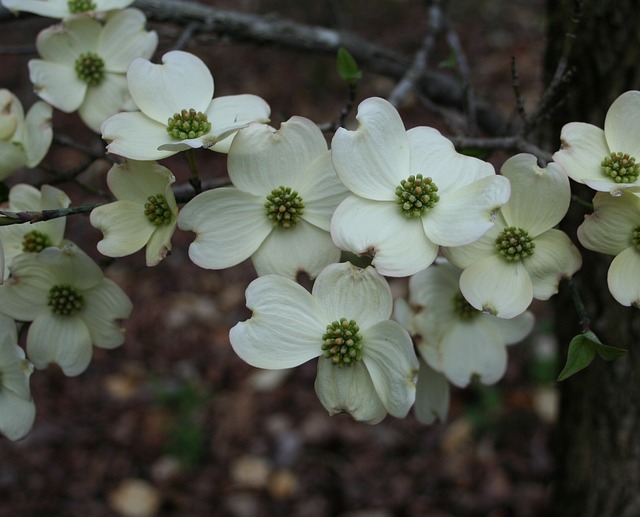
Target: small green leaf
[[347, 67], [450, 62], [582, 350], [608, 353]]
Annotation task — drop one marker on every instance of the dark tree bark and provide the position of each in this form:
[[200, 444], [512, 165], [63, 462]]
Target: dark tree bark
[[598, 436]]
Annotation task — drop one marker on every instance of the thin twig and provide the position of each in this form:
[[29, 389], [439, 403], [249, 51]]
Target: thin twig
[[30, 216], [465, 74], [418, 67]]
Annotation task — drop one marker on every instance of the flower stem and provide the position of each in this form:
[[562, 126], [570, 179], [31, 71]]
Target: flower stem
[[193, 167]]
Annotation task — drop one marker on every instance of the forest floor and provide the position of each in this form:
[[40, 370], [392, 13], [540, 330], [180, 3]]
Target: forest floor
[[174, 424]]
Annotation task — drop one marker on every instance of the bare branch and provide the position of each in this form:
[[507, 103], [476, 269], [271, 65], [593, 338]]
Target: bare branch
[[419, 65]]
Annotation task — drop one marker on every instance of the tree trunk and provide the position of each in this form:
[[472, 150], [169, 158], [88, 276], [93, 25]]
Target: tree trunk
[[598, 436]]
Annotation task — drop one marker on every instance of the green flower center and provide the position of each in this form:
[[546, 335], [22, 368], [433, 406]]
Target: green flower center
[[514, 244], [65, 300], [188, 124], [463, 308], [416, 195], [35, 241], [90, 68], [157, 210], [342, 343], [80, 6], [621, 168], [635, 237], [284, 207]]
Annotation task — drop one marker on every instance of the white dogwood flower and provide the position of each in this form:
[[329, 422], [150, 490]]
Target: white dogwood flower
[[65, 8], [412, 192], [24, 141], [279, 210], [70, 303], [614, 229], [523, 256], [33, 237], [454, 338], [366, 364], [145, 213], [17, 410], [605, 160], [177, 111], [84, 63]]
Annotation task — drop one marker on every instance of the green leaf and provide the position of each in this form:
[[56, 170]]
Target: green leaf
[[608, 353], [582, 350], [450, 62], [347, 67]]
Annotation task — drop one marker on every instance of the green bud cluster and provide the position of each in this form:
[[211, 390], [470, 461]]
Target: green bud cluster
[[188, 124], [620, 167], [514, 244], [80, 6], [463, 308], [90, 68], [64, 300], [157, 210], [416, 195], [284, 207], [342, 343], [635, 237], [35, 241]]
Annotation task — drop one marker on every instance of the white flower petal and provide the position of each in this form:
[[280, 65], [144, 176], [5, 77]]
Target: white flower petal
[[610, 227], [372, 160], [495, 286], [322, 192], [37, 133], [13, 158], [466, 214], [182, 81], [348, 390], [623, 277], [304, 248], [463, 256], [583, 148], [554, 258], [64, 43], [70, 265], [470, 348], [159, 245], [539, 197], [346, 291], [24, 296], [64, 340], [432, 395], [57, 84], [434, 156], [125, 227], [285, 329], [621, 125], [40, 7], [512, 330], [135, 136], [392, 364], [124, 38], [105, 306], [230, 225], [235, 110], [135, 181], [17, 415], [103, 100], [262, 159], [398, 244]]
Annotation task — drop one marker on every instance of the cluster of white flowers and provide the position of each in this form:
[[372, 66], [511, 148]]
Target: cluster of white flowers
[[477, 246]]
